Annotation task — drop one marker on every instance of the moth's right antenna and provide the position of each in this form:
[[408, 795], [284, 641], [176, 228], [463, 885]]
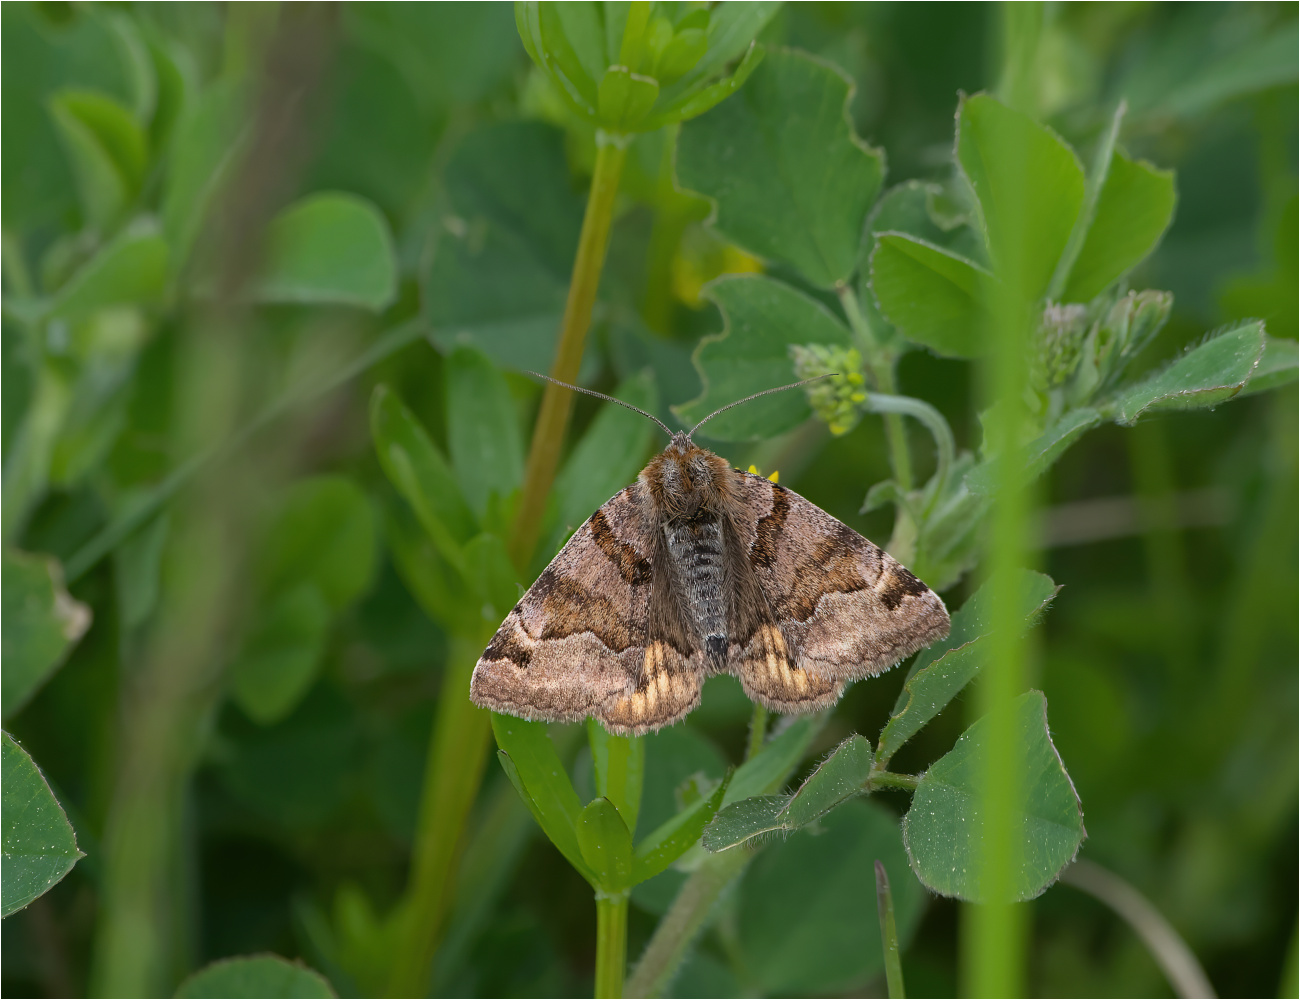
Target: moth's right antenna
[[779, 388], [601, 395]]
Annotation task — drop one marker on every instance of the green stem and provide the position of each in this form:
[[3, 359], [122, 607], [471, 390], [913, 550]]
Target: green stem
[[557, 401], [993, 938], [888, 934], [891, 779], [757, 731], [880, 366], [674, 211], [934, 422], [684, 920], [619, 763], [457, 754], [1022, 27], [611, 944]]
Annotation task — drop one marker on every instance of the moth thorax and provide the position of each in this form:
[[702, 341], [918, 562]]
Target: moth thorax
[[685, 480]]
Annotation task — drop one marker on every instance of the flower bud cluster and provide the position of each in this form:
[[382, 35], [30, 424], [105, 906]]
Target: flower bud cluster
[[836, 401]]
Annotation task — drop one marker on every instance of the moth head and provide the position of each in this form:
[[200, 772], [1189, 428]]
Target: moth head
[[686, 478]]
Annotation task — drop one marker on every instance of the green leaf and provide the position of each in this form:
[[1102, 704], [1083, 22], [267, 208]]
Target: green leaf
[[433, 581], [42, 623], [673, 838], [256, 976], [607, 458], [489, 571], [500, 276], [763, 318], [483, 433], [619, 766], [418, 471], [329, 249], [1133, 212], [943, 670], [806, 921], [606, 845], [932, 295], [1103, 158], [840, 776], [732, 28], [1030, 189], [279, 659], [625, 98], [743, 820], [1209, 373], [108, 149], [130, 270], [39, 844], [543, 777], [789, 178], [1277, 366], [323, 533], [943, 829]]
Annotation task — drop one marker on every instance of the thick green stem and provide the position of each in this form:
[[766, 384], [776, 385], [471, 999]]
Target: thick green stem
[[1022, 27], [557, 402], [168, 699], [611, 944], [619, 763], [457, 753]]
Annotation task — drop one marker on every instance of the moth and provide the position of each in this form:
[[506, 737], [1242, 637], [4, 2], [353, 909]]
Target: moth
[[696, 569]]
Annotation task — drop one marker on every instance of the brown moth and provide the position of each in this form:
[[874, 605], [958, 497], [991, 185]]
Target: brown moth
[[697, 569]]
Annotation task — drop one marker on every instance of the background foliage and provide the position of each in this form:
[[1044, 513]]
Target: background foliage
[[269, 276]]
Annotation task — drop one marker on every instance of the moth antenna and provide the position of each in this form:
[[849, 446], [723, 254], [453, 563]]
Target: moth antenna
[[779, 388], [601, 395]]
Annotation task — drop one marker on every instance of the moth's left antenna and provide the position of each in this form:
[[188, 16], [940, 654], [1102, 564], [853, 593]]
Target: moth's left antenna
[[779, 388], [601, 395]]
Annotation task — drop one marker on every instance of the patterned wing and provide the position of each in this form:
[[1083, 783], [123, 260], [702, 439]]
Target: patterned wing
[[580, 642], [841, 608]]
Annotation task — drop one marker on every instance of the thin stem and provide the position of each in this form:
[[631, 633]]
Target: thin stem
[[934, 422], [457, 754], [611, 944], [888, 934], [880, 366], [757, 731], [557, 402], [1175, 958], [684, 920], [891, 779]]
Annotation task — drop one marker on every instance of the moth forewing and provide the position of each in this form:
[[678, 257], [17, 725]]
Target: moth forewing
[[699, 568]]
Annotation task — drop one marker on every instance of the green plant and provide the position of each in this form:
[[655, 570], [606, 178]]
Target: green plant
[[240, 630]]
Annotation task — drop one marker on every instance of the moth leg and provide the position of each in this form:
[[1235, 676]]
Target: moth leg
[[768, 673], [667, 689]]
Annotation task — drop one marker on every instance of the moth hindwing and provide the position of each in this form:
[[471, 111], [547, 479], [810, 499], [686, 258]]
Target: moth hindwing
[[696, 569]]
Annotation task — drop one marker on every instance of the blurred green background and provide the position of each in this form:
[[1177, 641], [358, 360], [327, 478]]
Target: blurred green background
[[156, 142]]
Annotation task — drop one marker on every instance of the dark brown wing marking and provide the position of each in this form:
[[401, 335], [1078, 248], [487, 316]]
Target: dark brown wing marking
[[845, 608], [581, 643]]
